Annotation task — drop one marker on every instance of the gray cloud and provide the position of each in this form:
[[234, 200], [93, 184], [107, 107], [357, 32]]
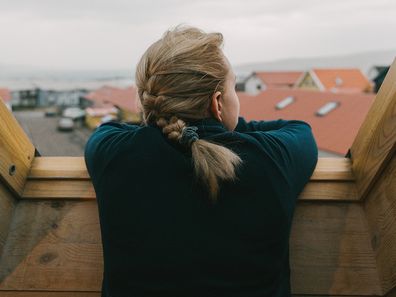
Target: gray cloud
[[113, 34]]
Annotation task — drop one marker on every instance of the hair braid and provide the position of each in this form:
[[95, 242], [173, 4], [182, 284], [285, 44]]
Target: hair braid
[[176, 78]]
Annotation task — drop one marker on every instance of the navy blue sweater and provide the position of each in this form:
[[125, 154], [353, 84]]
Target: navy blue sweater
[[161, 234]]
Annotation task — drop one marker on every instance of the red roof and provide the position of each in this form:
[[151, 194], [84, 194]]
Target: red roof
[[344, 80], [122, 98], [334, 132], [279, 79], [5, 94]]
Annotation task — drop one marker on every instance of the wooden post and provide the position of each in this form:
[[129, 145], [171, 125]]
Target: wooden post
[[374, 166], [375, 142], [16, 152]]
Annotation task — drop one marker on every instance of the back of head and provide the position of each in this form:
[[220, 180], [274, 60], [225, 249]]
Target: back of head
[[176, 78]]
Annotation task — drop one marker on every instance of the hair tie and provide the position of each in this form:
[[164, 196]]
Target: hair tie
[[189, 135]]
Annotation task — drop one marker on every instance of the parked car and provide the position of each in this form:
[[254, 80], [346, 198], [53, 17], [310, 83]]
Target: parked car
[[65, 124], [51, 112], [74, 113]]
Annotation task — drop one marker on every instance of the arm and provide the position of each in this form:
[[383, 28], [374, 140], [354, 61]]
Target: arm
[[244, 126], [290, 144]]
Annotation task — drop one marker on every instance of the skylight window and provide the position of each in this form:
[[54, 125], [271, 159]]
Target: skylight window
[[338, 81], [285, 102], [325, 109]]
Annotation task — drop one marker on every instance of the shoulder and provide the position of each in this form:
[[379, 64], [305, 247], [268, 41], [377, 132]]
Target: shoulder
[[106, 142], [290, 144]]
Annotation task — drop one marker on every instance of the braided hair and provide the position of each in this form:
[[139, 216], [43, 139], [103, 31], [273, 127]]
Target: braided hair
[[176, 78]]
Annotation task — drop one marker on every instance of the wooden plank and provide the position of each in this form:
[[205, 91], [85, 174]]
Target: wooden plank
[[59, 167], [48, 294], [67, 178], [333, 169], [74, 168], [83, 189], [375, 142], [380, 207], [7, 205], [59, 189], [329, 191], [330, 251], [55, 246], [16, 151], [98, 294]]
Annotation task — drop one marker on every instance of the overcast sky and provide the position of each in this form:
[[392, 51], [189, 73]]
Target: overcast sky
[[112, 34]]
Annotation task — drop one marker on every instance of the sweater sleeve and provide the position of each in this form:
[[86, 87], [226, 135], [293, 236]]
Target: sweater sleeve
[[244, 126], [290, 143], [103, 144]]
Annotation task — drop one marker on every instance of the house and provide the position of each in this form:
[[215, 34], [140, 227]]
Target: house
[[257, 82], [26, 98], [96, 115], [124, 99], [377, 74], [334, 117], [5, 94], [335, 80], [250, 84], [62, 98]]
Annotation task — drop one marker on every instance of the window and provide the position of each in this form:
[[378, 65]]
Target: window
[[285, 102], [325, 109], [338, 81]]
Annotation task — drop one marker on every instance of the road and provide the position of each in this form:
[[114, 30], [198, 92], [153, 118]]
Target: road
[[44, 135]]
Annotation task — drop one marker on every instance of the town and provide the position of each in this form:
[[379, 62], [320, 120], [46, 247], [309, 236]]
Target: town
[[60, 117]]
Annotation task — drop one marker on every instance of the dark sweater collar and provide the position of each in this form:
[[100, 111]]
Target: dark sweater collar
[[206, 126]]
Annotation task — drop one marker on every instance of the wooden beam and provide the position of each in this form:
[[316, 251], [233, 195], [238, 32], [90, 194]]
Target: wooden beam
[[67, 178], [375, 142], [74, 168], [16, 152], [83, 190], [58, 168]]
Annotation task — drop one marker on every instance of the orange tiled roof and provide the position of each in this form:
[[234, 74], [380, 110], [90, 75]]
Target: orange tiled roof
[[5, 94], [123, 98], [344, 80], [333, 132], [279, 79]]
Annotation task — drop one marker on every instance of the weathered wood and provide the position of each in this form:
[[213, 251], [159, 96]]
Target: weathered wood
[[59, 189], [53, 245], [59, 167], [380, 207], [7, 204], [98, 294], [56, 246], [67, 178], [48, 294], [16, 152], [330, 251], [375, 142], [74, 168], [329, 191], [83, 189]]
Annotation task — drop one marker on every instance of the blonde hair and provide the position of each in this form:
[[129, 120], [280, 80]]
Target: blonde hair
[[176, 78]]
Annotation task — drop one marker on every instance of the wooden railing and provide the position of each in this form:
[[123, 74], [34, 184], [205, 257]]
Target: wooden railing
[[343, 239]]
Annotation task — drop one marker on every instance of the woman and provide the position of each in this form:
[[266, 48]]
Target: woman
[[196, 201]]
